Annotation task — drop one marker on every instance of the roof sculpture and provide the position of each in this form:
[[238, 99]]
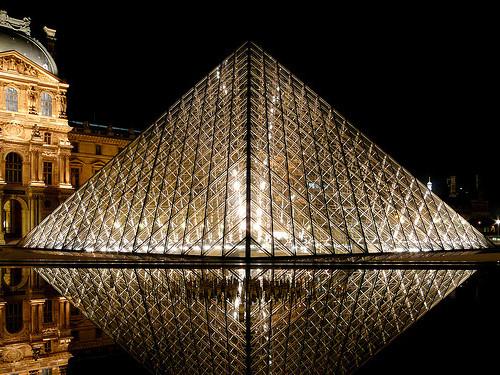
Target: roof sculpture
[[252, 163], [15, 34]]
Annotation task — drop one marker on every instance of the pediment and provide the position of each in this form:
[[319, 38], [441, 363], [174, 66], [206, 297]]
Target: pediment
[[15, 62]]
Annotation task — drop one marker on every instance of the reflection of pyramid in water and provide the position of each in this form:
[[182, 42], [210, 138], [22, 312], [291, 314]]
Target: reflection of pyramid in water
[[283, 322], [251, 162]]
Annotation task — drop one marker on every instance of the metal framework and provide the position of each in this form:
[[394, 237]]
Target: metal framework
[[237, 321], [252, 163]]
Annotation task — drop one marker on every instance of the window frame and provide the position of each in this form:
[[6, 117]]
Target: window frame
[[46, 104], [14, 168], [47, 138], [48, 311], [48, 172], [72, 169], [11, 99]]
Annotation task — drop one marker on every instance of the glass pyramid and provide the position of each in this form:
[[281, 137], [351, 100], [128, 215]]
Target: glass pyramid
[[250, 321], [252, 163]]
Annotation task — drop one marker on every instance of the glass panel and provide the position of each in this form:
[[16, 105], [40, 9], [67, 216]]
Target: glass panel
[[11, 99], [251, 162], [46, 104]]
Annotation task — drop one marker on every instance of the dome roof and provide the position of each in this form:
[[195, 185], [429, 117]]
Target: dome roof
[[27, 46]]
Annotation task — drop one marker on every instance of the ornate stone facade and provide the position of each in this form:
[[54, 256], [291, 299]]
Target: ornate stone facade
[[53, 157], [34, 324], [33, 127]]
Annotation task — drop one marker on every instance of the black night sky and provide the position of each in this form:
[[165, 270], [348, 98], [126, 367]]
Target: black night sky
[[421, 82]]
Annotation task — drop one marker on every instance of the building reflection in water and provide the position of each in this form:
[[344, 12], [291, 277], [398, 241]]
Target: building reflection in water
[[39, 329], [266, 320]]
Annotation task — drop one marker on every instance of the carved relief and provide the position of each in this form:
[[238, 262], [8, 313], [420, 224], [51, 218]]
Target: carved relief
[[35, 133], [12, 63], [49, 154], [15, 353], [12, 129], [12, 355]]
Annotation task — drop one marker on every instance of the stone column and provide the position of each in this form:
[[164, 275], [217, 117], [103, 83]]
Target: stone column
[[2, 167], [36, 316], [61, 170], [34, 161], [64, 178], [66, 164], [2, 234], [40, 167], [63, 320], [36, 165], [2, 317]]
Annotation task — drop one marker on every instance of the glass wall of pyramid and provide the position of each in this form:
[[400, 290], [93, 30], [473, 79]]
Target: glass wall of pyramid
[[252, 163], [253, 321]]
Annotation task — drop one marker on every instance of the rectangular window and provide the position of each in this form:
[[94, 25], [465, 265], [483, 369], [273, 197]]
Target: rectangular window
[[47, 172], [47, 311], [75, 177], [47, 138], [47, 346], [75, 147], [98, 150], [46, 371], [46, 104], [11, 99]]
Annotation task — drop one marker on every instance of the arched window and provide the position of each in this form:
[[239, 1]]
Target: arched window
[[14, 317], [11, 99], [46, 104], [16, 276], [13, 168]]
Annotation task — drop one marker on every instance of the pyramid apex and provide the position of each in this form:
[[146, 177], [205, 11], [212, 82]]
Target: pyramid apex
[[252, 163]]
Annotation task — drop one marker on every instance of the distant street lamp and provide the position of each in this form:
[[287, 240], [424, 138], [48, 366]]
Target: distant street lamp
[[497, 222]]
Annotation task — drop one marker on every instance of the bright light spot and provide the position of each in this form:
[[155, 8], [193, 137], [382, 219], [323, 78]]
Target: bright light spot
[[280, 235], [243, 225], [258, 212], [236, 185]]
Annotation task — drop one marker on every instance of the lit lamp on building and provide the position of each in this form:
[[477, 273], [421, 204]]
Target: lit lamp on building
[[497, 222]]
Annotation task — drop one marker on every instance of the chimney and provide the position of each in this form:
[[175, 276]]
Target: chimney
[[50, 38]]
